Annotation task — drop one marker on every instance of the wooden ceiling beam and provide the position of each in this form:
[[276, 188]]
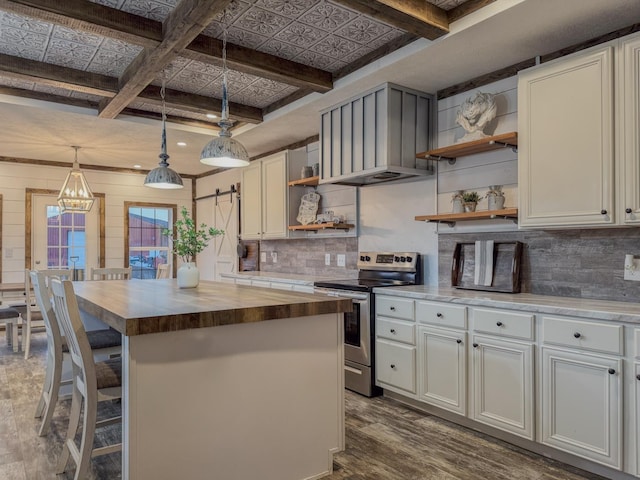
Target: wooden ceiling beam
[[192, 102], [415, 16], [101, 85], [184, 23], [112, 23]]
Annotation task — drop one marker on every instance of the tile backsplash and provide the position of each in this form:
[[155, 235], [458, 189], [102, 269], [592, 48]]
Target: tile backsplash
[[307, 256], [569, 263]]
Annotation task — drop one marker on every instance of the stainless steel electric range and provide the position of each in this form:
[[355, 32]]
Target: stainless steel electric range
[[375, 269]]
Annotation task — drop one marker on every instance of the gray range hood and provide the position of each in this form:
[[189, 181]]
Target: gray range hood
[[373, 138]]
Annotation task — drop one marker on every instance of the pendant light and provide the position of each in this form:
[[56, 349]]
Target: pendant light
[[75, 194], [162, 176], [224, 151]]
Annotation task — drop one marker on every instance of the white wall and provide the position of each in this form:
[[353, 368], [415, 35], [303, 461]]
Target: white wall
[[117, 187]]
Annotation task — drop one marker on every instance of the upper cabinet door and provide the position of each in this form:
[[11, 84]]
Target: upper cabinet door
[[565, 137], [629, 118], [274, 197], [251, 202]]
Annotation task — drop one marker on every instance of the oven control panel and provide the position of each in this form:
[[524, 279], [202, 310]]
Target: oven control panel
[[392, 261]]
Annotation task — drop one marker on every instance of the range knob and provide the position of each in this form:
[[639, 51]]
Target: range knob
[[403, 259], [362, 258], [409, 259], [396, 259], [367, 258]]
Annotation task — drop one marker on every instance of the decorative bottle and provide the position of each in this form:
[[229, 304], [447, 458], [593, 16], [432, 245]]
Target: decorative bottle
[[495, 197]]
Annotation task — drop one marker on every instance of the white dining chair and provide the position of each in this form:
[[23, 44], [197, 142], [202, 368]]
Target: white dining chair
[[104, 343], [111, 273], [11, 317], [93, 382], [162, 271]]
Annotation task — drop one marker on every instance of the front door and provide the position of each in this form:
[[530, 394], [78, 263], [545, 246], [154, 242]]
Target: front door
[[68, 240]]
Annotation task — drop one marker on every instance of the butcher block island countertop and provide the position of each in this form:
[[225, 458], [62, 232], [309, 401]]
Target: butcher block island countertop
[[225, 381], [138, 307]]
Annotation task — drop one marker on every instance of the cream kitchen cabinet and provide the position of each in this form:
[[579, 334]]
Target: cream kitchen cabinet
[[265, 211], [502, 371], [637, 415], [582, 393], [395, 357], [442, 354], [578, 147]]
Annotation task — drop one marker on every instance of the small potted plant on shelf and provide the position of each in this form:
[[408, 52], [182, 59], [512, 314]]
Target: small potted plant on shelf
[[188, 241], [470, 200]]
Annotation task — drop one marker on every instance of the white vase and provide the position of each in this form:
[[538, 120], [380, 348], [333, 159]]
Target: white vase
[[188, 275]]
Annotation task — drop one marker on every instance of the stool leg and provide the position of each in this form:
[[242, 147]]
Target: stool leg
[[26, 337]]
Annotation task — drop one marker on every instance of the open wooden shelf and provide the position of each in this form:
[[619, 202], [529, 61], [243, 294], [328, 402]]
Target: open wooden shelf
[[305, 182], [452, 218], [452, 152], [322, 226]]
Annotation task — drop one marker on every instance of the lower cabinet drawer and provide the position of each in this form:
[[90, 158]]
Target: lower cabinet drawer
[[396, 330], [449, 316], [394, 307], [503, 323], [261, 283], [576, 333], [281, 286], [396, 365]]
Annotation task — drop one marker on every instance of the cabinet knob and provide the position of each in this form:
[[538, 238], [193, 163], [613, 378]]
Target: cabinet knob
[[499, 324], [638, 376], [439, 315], [393, 330], [577, 335], [393, 365], [628, 210], [458, 341], [611, 371], [475, 345], [603, 212], [393, 309]]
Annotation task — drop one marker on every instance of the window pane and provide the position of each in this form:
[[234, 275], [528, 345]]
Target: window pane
[[147, 246]]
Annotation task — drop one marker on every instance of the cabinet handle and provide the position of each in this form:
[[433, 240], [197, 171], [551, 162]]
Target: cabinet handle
[[577, 335], [393, 330], [611, 371], [393, 366], [393, 309], [628, 210], [499, 324], [475, 345], [458, 341], [439, 315], [603, 212]]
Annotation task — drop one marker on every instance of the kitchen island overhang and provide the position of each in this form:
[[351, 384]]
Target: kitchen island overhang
[[224, 381]]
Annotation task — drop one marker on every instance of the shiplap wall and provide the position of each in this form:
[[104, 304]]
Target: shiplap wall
[[117, 187]]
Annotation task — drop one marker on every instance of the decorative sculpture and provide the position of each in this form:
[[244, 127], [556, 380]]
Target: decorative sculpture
[[308, 208], [475, 114]]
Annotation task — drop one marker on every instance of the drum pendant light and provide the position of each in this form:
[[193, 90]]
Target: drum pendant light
[[224, 151], [162, 176], [75, 194]]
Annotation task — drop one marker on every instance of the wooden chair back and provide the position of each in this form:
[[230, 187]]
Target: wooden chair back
[[163, 271], [111, 273]]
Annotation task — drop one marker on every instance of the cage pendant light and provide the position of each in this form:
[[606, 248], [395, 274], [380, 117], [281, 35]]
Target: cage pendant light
[[162, 176], [224, 151], [75, 194]]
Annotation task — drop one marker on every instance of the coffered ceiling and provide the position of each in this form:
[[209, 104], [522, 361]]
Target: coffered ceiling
[[89, 73]]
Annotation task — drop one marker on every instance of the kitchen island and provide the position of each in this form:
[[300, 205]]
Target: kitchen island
[[224, 381]]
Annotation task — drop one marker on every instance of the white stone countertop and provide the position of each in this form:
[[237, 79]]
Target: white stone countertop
[[294, 278], [579, 307]]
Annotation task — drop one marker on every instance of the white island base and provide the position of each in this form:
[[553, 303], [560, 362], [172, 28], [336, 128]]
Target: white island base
[[247, 401]]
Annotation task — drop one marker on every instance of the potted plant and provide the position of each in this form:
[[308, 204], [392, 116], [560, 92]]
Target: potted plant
[[470, 200], [189, 240]]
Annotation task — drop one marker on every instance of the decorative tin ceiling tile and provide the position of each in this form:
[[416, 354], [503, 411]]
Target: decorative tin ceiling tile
[[300, 35], [24, 23], [328, 16], [24, 39], [231, 13], [288, 8], [280, 49], [447, 4], [154, 10], [261, 21], [19, 51], [363, 30], [76, 36], [69, 54], [109, 3], [245, 38], [317, 60], [335, 47]]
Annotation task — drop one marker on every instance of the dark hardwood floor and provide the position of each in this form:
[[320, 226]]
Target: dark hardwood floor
[[384, 439]]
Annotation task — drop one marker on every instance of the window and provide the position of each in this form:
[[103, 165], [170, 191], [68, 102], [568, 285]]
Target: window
[[145, 246]]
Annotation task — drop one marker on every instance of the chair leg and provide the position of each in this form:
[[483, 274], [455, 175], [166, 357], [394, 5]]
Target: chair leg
[[14, 336], [88, 432], [74, 421], [46, 387], [26, 337], [8, 331], [49, 399]]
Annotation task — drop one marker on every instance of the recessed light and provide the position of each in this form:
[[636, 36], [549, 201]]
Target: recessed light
[[211, 115], [182, 144], [137, 166]]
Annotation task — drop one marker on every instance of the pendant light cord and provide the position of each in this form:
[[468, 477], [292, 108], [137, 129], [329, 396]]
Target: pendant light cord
[[163, 148], [225, 98]]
